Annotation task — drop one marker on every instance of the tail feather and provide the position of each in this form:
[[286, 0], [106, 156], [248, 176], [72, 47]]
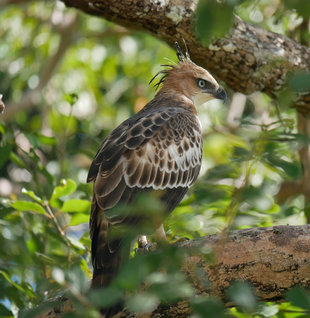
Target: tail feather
[[106, 255], [106, 258], [106, 267]]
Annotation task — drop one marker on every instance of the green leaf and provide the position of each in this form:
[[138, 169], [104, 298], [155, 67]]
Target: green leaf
[[269, 311], [46, 140], [301, 6], [223, 171], [66, 187], [45, 258], [105, 297], [77, 279], [214, 19], [79, 218], [142, 302], [6, 276], [17, 160], [299, 297], [5, 152], [33, 139], [2, 130], [72, 98], [32, 195], [291, 169], [241, 294], [4, 312], [208, 307], [76, 205], [300, 82], [40, 310], [27, 206]]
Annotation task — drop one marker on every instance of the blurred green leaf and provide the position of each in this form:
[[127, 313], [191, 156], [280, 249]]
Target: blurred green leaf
[[301, 6], [76, 205], [17, 160], [214, 18], [17, 286], [105, 297], [208, 307], [222, 171], [77, 279], [291, 169], [5, 152], [299, 297], [32, 195], [4, 312], [27, 206], [66, 187], [242, 295], [79, 218], [269, 310], [300, 82], [40, 309], [2, 130], [72, 98], [46, 140], [45, 258], [142, 302]]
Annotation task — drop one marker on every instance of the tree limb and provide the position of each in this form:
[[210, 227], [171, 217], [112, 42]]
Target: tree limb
[[249, 59], [272, 260]]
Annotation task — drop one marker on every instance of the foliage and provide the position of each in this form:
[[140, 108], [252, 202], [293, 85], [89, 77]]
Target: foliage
[[97, 79]]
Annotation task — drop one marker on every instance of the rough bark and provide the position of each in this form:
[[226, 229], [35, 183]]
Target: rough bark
[[271, 259], [249, 59]]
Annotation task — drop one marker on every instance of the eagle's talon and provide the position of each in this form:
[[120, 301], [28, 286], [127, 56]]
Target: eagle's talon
[[147, 248]]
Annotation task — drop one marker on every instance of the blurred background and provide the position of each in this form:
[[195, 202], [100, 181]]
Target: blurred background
[[67, 80]]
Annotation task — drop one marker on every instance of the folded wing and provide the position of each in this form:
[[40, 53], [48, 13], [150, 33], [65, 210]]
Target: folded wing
[[158, 150]]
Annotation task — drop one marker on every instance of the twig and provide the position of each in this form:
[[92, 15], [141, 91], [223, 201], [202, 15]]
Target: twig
[[60, 230]]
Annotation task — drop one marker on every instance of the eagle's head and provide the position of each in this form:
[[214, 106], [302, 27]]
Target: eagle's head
[[189, 80]]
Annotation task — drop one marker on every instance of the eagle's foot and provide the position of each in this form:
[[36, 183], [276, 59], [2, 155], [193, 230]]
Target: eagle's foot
[[147, 248], [144, 246]]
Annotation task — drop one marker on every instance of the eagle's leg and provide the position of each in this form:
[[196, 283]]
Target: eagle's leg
[[145, 246], [160, 235], [161, 238]]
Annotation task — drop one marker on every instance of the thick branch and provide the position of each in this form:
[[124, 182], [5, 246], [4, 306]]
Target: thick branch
[[249, 59], [271, 259]]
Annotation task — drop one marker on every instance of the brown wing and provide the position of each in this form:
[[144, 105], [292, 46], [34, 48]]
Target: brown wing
[[160, 149]]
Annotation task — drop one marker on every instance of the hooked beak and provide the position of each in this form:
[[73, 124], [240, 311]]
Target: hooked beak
[[221, 94]]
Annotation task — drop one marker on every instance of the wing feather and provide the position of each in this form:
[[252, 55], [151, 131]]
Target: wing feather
[[171, 167], [159, 150]]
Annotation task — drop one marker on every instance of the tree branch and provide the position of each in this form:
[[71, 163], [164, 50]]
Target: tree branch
[[249, 59], [271, 259]]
